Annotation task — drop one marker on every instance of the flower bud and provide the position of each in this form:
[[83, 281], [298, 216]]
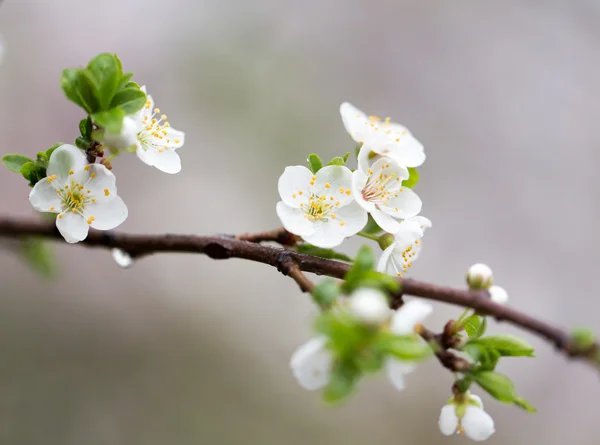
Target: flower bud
[[125, 138], [386, 240], [370, 306], [479, 277], [498, 294]]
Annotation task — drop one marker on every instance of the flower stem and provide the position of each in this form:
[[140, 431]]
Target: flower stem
[[368, 236]]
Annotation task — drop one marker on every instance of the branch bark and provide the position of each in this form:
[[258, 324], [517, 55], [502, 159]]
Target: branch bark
[[291, 263]]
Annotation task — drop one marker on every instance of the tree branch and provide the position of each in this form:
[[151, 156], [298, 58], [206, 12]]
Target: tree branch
[[292, 263]]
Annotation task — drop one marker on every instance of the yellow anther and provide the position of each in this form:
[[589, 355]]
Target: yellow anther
[[154, 121], [333, 216], [348, 192], [86, 168], [177, 141], [53, 177], [66, 187], [163, 117], [89, 191], [60, 216], [300, 192], [164, 133], [93, 199], [327, 185], [337, 203], [71, 172], [49, 179], [90, 220], [342, 223], [106, 192], [341, 190], [160, 150], [93, 175], [294, 195], [51, 208], [157, 110], [312, 182]]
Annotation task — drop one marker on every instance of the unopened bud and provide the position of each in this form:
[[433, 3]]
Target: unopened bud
[[479, 277], [498, 294], [386, 240], [370, 306]]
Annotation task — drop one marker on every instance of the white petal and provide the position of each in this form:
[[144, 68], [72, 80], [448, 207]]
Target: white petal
[[498, 294], [407, 204], [477, 399], [175, 138], [107, 215], [167, 161], [478, 424], [448, 420], [122, 258], [334, 181], [311, 364], [72, 227], [100, 182], [43, 197], [355, 121], [385, 221], [325, 235], [359, 180], [404, 149], [144, 154], [354, 218], [363, 159], [423, 222], [369, 306], [409, 231], [409, 315], [125, 138], [294, 221], [64, 159], [384, 265], [396, 370], [294, 180]]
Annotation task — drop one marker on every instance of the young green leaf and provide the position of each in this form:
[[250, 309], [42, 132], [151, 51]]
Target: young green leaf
[[412, 179], [472, 325], [110, 120], [409, 347], [14, 162], [364, 262], [125, 80], [497, 385], [344, 377], [524, 404], [337, 161], [331, 254], [326, 292], [130, 100], [346, 156], [314, 163], [80, 89], [506, 345], [85, 128], [105, 69], [32, 172]]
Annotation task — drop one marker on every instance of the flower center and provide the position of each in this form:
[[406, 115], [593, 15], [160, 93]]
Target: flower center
[[154, 133], [74, 196], [318, 209], [380, 188]]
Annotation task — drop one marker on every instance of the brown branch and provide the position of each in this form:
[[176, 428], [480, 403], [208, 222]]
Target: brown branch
[[223, 247]]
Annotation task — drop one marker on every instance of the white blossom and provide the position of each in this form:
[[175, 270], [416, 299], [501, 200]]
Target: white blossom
[[480, 276], [400, 255], [311, 364], [122, 258], [498, 294], [474, 422], [126, 138], [379, 191], [157, 142], [369, 306], [406, 321], [382, 137], [319, 207], [82, 195]]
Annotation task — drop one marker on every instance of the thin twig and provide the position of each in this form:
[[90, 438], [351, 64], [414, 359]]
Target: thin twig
[[223, 247]]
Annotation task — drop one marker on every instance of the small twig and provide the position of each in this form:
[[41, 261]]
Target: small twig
[[288, 266], [448, 359]]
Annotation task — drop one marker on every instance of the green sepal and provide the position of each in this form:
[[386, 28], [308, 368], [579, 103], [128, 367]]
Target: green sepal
[[314, 163], [372, 228]]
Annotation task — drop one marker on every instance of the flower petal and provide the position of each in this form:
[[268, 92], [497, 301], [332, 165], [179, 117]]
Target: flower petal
[[294, 180], [384, 265], [334, 181], [404, 149], [359, 180], [448, 420], [311, 364], [72, 227], [43, 197], [64, 159], [477, 399], [107, 215], [498, 294], [405, 205], [478, 424], [423, 222], [293, 220], [174, 138], [100, 182], [355, 121], [385, 221], [166, 161], [409, 315], [396, 370]]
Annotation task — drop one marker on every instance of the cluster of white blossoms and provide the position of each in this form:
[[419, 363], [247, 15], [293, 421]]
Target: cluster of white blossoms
[[332, 204], [84, 195]]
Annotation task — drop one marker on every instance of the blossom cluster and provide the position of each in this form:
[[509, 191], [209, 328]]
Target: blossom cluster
[[325, 207], [84, 194]]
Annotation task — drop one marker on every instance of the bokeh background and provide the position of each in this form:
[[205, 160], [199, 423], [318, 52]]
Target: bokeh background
[[184, 350]]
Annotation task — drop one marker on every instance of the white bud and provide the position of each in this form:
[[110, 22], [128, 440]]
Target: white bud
[[122, 258], [125, 138], [498, 294], [369, 306], [479, 276]]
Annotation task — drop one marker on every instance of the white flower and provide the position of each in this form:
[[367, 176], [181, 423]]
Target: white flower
[[311, 364], [319, 208], [83, 195], [122, 258], [406, 321], [126, 138], [399, 256], [379, 191], [385, 138], [156, 140], [498, 294], [480, 276], [475, 423], [370, 306]]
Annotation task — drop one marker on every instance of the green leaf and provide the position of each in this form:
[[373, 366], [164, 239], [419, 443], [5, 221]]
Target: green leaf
[[41, 158], [314, 163], [506, 345], [106, 71], [326, 292], [110, 120], [346, 156], [331, 254], [412, 179], [524, 404], [472, 325], [474, 351], [82, 143], [343, 380], [337, 161], [583, 338], [130, 100], [125, 81], [365, 261], [80, 89], [38, 254], [410, 347], [372, 228], [32, 172], [86, 127], [497, 385], [14, 162]]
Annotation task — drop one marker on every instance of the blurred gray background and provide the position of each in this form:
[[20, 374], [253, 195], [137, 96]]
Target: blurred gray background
[[184, 350]]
